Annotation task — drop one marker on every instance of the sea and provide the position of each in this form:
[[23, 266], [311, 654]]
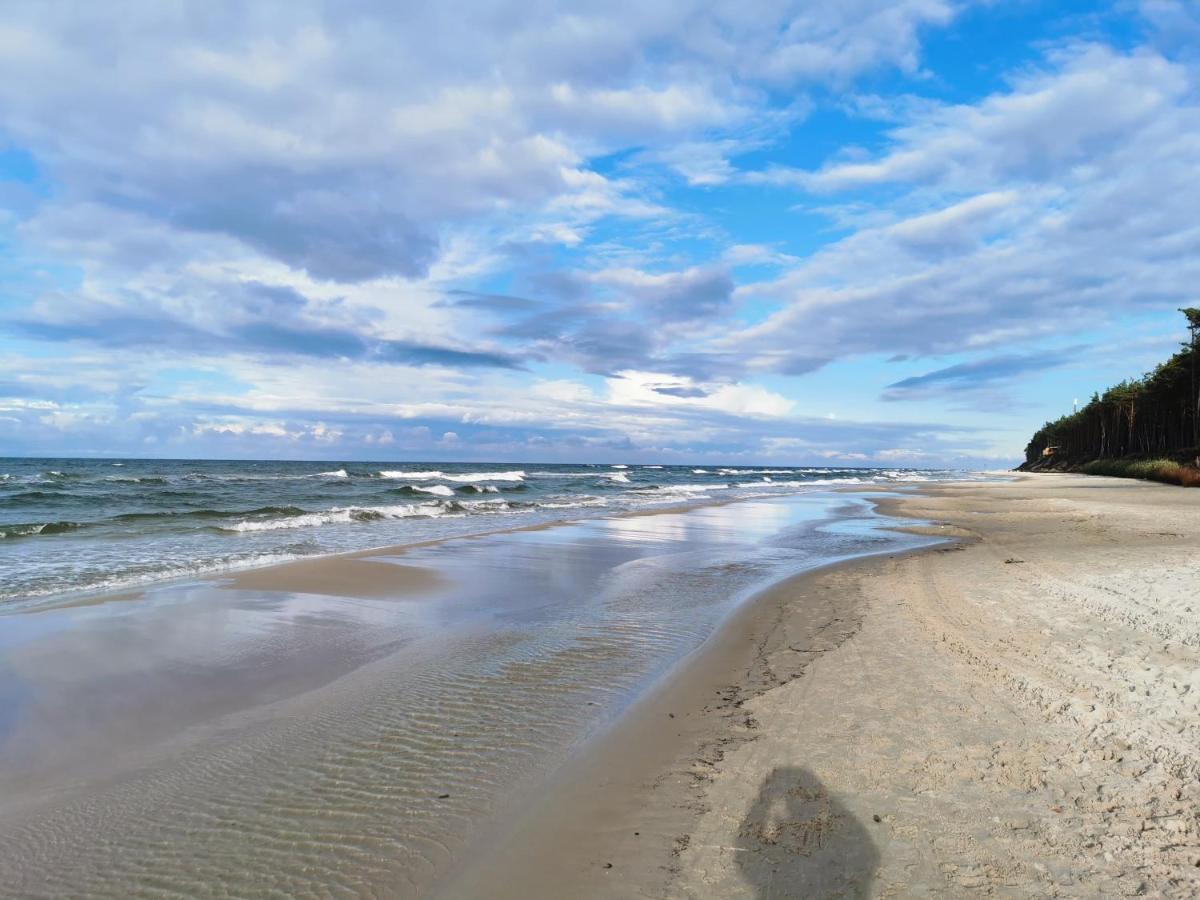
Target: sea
[[79, 526]]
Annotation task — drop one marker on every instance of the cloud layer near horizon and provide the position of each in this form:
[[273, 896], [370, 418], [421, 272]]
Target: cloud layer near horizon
[[552, 231]]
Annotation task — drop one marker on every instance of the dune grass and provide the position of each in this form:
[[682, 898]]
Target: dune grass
[[1164, 470]]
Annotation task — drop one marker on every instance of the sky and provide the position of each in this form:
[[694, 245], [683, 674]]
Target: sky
[[864, 232]]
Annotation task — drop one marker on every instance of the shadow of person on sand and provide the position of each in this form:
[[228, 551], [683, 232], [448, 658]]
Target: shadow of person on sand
[[798, 841]]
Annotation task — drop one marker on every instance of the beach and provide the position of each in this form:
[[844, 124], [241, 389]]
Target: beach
[[361, 724], [977, 687], [1011, 715]]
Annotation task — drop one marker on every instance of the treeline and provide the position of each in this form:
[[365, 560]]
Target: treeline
[[1157, 415]]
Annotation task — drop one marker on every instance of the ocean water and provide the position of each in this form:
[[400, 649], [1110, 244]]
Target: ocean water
[[74, 525]]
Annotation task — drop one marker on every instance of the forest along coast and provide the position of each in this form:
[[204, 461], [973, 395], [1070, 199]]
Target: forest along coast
[[1147, 427]]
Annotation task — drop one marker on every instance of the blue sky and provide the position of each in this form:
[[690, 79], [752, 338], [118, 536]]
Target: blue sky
[[900, 232]]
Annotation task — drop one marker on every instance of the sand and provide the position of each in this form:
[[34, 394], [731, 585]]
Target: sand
[[1013, 715], [338, 576]]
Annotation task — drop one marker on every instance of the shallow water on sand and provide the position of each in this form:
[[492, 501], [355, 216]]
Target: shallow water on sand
[[203, 741]]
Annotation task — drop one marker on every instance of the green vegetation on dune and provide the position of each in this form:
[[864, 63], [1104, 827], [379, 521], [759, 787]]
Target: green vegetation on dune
[[1144, 428], [1165, 470]]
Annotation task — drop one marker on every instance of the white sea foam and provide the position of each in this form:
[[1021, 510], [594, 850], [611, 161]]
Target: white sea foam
[[756, 471], [340, 516], [336, 473], [653, 467], [677, 492], [768, 483], [515, 475], [492, 503], [619, 478], [134, 579], [619, 466], [701, 472]]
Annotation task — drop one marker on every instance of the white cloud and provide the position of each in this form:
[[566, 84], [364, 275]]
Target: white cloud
[[1068, 199], [1049, 123], [656, 389]]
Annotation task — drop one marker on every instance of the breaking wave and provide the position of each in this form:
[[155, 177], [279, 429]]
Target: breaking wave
[[38, 528], [515, 475], [341, 516]]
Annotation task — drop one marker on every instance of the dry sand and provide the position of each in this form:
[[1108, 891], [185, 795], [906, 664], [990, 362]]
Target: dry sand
[[1013, 715]]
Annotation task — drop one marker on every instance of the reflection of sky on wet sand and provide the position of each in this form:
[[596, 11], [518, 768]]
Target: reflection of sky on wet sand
[[479, 685]]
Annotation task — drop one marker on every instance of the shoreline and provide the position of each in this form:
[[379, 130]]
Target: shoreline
[[972, 718], [578, 838], [262, 575], [217, 720]]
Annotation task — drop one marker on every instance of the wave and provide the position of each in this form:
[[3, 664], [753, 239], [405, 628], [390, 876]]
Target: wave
[[440, 489], [340, 516], [694, 488], [667, 493], [619, 478], [769, 483], [129, 479], [144, 574], [756, 471], [209, 513], [514, 475], [38, 528], [573, 504], [701, 472], [489, 505], [484, 488], [336, 473], [55, 475], [619, 467]]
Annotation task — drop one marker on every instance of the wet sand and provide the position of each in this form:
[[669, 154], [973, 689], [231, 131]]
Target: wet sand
[[1014, 715], [338, 576]]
